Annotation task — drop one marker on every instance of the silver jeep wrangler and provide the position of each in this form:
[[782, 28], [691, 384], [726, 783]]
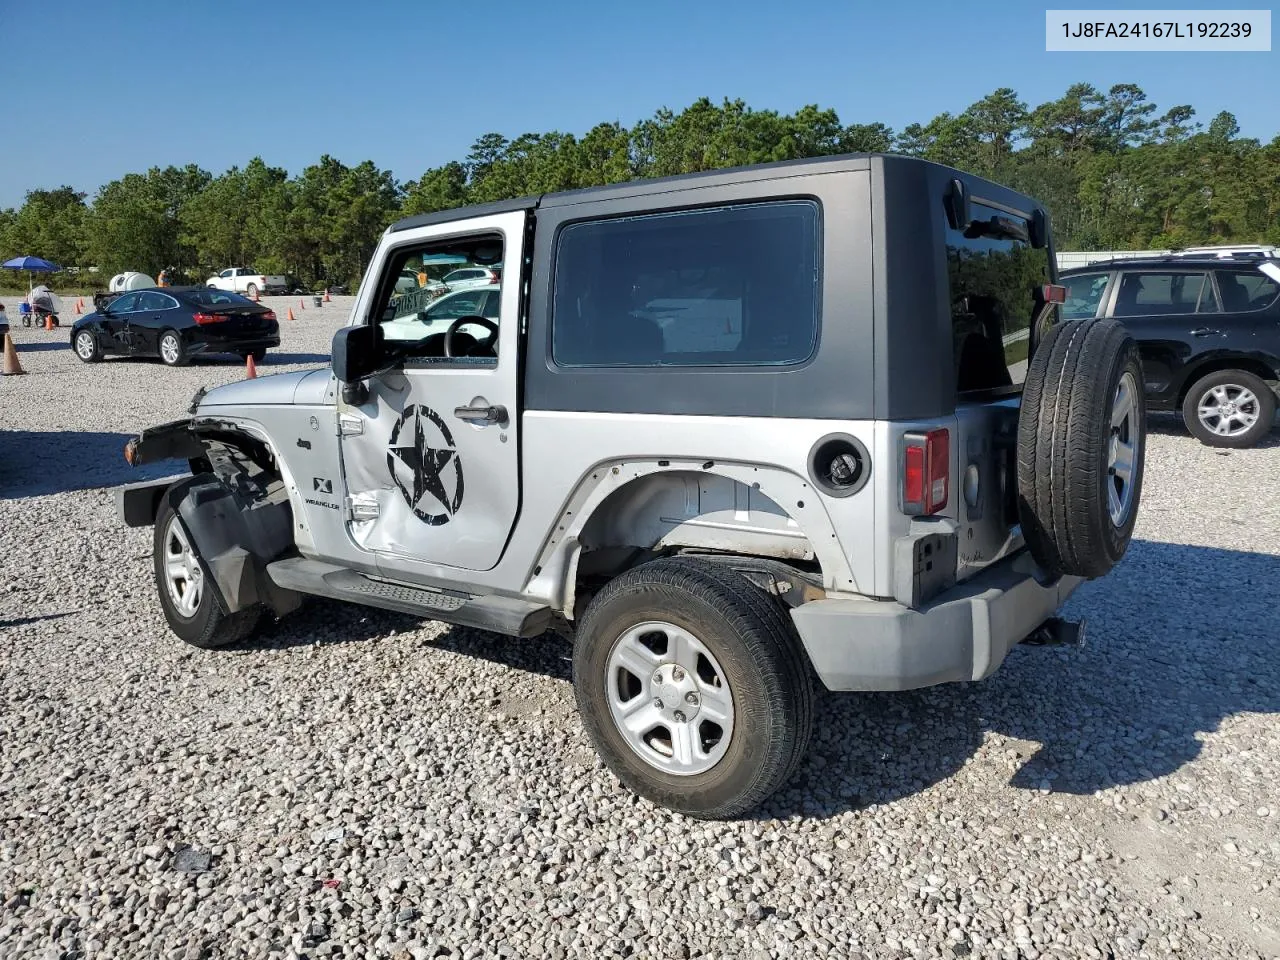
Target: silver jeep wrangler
[[737, 433]]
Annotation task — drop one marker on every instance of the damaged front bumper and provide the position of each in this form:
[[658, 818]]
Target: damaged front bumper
[[168, 441]]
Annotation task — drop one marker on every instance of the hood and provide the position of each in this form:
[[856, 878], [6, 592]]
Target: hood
[[274, 390]]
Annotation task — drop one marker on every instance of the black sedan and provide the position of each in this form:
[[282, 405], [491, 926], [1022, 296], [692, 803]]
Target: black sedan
[[176, 324]]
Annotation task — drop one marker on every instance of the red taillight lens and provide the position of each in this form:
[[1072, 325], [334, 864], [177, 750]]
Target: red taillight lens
[[495, 279], [926, 472], [269, 315], [1054, 293], [203, 318]]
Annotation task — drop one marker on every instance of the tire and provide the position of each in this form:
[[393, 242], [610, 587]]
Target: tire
[[206, 624], [1251, 403], [86, 347], [755, 660], [251, 290], [174, 355], [1083, 407]]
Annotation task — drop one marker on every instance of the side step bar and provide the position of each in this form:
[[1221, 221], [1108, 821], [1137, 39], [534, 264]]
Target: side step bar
[[508, 615]]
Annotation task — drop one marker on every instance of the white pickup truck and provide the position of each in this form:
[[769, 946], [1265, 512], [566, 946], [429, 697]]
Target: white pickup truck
[[248, 281]]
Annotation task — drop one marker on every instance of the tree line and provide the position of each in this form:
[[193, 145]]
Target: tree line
[[1113, 169]]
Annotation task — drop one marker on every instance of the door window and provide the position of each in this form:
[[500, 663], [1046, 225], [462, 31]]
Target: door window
[[416, 320], [1084, 294], [1246, 291], [126, 304], [1153, 294]]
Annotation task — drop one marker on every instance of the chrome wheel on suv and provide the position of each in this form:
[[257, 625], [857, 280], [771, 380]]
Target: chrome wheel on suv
[[1229, 408]]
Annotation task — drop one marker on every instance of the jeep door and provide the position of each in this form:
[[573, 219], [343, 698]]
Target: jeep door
[[430, 457]]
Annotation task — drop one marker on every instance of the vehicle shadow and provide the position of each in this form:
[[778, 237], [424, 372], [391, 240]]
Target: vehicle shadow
[[41, 463], [1165, 660], [40, 346]]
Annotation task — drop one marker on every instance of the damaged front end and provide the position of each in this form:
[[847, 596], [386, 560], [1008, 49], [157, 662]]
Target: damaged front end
[[233, 505]]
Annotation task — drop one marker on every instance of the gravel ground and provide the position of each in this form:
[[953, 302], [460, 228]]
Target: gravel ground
[[361, 784]]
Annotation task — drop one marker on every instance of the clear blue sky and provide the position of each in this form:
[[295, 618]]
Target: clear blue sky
[[126, 86]]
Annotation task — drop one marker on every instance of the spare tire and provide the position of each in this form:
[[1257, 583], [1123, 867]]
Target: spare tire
[[1081, 441]]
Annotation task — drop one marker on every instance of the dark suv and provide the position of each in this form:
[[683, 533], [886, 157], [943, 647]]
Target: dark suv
[[1209, 332]]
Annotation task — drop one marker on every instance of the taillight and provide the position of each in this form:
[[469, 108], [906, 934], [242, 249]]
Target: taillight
[[495, 279], [203, 318], [1053, 293], [926, 472], [269, 315]]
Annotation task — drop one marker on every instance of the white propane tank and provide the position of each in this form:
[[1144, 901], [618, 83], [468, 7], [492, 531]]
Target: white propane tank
[[132, 280]]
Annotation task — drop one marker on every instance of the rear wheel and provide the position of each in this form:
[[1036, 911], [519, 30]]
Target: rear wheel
[[1081, 444], [172, 352], [87, 348], [692, 684], [190, 603], [251, 290], [1229, 408]]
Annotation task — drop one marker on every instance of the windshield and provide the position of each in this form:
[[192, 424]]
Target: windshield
[[994, 273]]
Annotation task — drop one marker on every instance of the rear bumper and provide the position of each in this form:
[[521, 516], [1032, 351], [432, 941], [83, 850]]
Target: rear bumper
[[963, 634], [233, 345]]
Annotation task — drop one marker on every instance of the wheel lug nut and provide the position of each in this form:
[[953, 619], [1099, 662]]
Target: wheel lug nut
[[658, 703], [677, 674], [678, 716], [691, 698], [657, 677]]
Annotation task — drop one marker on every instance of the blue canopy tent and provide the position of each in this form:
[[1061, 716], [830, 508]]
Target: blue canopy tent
[[31, 265]]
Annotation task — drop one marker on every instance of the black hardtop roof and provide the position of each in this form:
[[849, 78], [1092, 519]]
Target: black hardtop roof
[[660, 185], [1196, 261]]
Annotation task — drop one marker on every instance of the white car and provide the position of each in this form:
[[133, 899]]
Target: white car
[[467, 278], [411, 323]]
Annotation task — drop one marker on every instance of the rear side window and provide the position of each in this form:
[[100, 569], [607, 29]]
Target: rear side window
[[1246, 291], [993, 277], [726, 286], [1084, 294], [1151, 294]]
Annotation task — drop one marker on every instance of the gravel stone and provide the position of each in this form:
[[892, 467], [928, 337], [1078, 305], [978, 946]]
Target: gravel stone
[[355, 778]]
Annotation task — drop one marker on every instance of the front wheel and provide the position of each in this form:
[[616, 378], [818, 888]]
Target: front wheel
[[1229, 408], [172, 352], [693, 687], [87, 348], [189, 600]]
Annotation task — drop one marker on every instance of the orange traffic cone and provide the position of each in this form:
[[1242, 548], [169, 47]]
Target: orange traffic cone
[[256, 296], [77, 308], [301, 305], [290, 314], [250, 368], [326, 295], [11, 365], [48, 321], [82, 303]]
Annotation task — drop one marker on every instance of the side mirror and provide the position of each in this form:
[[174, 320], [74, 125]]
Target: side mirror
[[958, 205], [357, 352]]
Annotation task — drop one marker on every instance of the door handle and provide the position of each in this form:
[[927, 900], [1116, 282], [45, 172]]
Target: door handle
[[1205, 332], [482, 416]]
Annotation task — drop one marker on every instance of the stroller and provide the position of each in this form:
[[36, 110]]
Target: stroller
[[40, 303]]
